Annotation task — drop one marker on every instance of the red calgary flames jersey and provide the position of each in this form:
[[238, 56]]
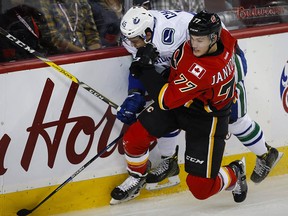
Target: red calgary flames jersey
[[209, 79]]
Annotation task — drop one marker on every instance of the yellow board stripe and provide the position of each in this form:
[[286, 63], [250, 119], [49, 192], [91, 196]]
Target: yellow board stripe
[[94, 193]]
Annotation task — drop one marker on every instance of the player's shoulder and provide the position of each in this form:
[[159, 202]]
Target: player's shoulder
[[169, 14], [227, 39], [171, 19], [180, 55]]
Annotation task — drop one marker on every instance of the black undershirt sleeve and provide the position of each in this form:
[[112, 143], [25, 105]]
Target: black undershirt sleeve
[[152, 81]]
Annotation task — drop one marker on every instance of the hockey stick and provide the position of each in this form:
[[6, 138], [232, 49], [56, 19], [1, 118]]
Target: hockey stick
[[24, 212], [57, 68]]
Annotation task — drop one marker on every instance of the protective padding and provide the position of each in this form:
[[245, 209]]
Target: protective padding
[[203, 188], [136, 140]]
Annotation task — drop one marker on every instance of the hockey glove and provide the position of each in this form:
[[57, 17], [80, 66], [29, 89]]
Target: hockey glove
[[145, 58], [133, 104]]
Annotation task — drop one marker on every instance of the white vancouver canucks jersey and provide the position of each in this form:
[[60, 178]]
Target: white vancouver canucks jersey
[[170, 31]]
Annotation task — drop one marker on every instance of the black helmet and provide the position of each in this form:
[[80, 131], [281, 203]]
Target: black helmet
[[205, 23]]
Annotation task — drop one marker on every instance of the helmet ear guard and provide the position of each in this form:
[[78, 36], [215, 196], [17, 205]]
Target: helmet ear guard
[[214, 37], [137, 22]]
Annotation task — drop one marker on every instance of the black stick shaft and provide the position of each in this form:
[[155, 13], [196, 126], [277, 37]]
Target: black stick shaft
[[26, 211]]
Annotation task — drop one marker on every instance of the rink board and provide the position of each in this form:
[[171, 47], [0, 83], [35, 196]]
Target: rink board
[[29, 173], [96, 192]]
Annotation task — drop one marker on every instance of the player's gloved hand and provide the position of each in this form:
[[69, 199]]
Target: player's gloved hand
[[145, 58], [133, 104]]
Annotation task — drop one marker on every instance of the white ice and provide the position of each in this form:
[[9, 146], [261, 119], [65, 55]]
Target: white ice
[[265, 199]]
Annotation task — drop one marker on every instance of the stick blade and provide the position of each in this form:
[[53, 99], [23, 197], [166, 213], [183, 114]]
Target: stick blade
[[24, 212]]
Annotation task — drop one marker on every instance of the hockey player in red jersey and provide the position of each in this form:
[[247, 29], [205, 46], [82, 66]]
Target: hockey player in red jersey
[[167, 30], [197, 98]]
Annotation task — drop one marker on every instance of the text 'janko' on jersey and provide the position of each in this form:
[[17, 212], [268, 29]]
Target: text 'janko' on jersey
[[205, 83]]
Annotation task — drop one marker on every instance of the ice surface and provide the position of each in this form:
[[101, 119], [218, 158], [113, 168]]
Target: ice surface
[[265, 199]]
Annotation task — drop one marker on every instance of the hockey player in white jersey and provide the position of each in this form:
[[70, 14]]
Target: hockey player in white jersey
[[167, 30]]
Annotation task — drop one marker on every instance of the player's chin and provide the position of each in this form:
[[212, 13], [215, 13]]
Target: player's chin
[[197, 53]]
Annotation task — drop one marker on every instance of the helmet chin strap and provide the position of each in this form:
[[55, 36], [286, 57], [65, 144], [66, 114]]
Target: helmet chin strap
[[211, 44], [147, 41], [145, 38]]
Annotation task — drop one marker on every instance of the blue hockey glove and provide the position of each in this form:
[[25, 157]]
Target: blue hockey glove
[[133, 104]]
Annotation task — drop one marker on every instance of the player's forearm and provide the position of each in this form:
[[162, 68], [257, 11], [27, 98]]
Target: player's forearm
[[153, 82]]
